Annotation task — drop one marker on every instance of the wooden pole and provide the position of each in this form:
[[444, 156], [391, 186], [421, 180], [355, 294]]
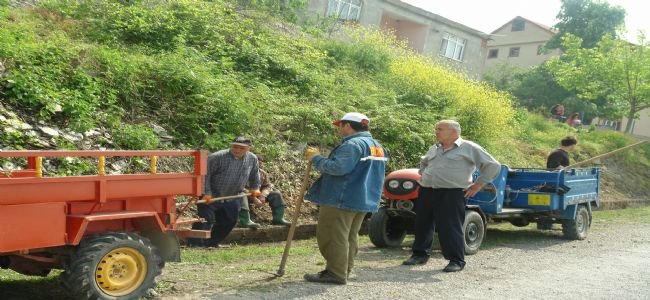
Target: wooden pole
[[294, 223], [214, 199], [610, 153]]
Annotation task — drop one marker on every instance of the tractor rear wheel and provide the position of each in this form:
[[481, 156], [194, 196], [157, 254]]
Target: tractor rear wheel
[[384, 231], [474, 230], [112, 266]]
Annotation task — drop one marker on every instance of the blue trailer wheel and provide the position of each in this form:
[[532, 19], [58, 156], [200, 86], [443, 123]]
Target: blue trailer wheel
[[474, 230], [577, 228]]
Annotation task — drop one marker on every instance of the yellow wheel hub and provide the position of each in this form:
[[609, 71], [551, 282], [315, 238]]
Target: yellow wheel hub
[[121, 271]]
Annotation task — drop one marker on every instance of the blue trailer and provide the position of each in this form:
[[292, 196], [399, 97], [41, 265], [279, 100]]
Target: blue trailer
[[520, 196]]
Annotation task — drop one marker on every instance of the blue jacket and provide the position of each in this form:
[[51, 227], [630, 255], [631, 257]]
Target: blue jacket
[[352, 176]]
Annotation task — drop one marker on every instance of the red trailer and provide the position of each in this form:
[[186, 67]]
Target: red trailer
[[111, 234]]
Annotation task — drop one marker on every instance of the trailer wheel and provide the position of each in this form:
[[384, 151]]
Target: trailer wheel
[[577, 228], [383, 230], [474, 230], [112, 266]]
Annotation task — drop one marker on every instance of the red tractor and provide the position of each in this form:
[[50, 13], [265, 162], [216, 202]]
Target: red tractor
[[388, 226], [111, 234]]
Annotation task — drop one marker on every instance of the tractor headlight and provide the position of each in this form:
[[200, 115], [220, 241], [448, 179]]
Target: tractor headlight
[[408, 185], [393, 184]]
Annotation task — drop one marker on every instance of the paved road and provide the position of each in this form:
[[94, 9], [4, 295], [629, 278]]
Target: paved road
[[613, 263]]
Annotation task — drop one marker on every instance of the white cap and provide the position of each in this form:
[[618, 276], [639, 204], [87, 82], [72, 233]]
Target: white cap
[[353, 117]]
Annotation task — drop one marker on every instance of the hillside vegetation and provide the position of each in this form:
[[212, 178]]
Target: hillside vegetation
[[187, 74]]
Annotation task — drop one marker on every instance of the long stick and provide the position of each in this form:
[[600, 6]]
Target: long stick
[[294, 223], [215, 199], [604, 155]]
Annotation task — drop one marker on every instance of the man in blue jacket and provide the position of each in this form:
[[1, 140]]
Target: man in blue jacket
[[349, 187]]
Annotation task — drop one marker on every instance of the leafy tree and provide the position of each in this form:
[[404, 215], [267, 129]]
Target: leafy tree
[[537, 90], [589, 20], [504, 76], [614, 69]]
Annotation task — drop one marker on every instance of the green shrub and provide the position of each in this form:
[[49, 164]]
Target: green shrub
[[136, 137]]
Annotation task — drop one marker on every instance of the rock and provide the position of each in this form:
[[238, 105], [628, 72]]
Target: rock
[[8, 166], [58, 108], [91, 133], [43, 144], [86, 145], [73, 136], [159, 130], [3, 118], [18, 124], [119, 165], [49, 131]]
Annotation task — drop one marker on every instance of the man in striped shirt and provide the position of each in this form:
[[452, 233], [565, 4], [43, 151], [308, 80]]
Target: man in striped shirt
[[229, 171]]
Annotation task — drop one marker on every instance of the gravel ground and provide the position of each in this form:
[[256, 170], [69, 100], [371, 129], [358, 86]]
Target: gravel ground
[[612, 263]]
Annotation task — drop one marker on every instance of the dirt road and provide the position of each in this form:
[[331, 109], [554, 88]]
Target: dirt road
[[613, 263]]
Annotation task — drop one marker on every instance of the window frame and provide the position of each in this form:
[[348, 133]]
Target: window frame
[[512, 50], [496, 53], [452, 39], [335, 9], [517, 28]]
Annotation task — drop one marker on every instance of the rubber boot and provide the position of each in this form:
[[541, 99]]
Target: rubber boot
[[245, 220], [278, 216]]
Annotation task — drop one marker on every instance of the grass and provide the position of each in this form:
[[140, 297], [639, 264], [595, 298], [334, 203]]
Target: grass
[[251, 266], [18, 287], [639, 215]]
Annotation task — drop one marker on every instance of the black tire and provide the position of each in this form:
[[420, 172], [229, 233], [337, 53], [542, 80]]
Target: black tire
[[382, 230], [97, 267], [474, 231], [577, 228]]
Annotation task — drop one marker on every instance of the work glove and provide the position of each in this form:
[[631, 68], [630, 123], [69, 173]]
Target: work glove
[[205, 197], [256, 201], [310, 152]]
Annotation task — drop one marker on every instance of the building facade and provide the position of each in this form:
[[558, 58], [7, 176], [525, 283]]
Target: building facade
[[519, 42], [425, 32]]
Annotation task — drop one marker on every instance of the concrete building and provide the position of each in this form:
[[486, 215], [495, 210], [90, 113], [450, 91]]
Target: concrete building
[[424, 31], [519, 42], [640, 126]]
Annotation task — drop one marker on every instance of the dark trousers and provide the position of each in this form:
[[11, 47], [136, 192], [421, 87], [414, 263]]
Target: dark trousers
[[444, 209], [220, 218]]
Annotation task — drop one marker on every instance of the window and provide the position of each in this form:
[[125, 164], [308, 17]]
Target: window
[[514, 52], [452, 46], [493, 53], [518, 25], [348, 10]]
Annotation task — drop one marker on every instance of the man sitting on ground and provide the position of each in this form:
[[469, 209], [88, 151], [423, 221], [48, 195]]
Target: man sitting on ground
[[273, 197]]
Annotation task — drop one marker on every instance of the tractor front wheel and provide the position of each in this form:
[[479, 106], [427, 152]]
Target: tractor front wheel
[[112, 266], [384, 230]]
